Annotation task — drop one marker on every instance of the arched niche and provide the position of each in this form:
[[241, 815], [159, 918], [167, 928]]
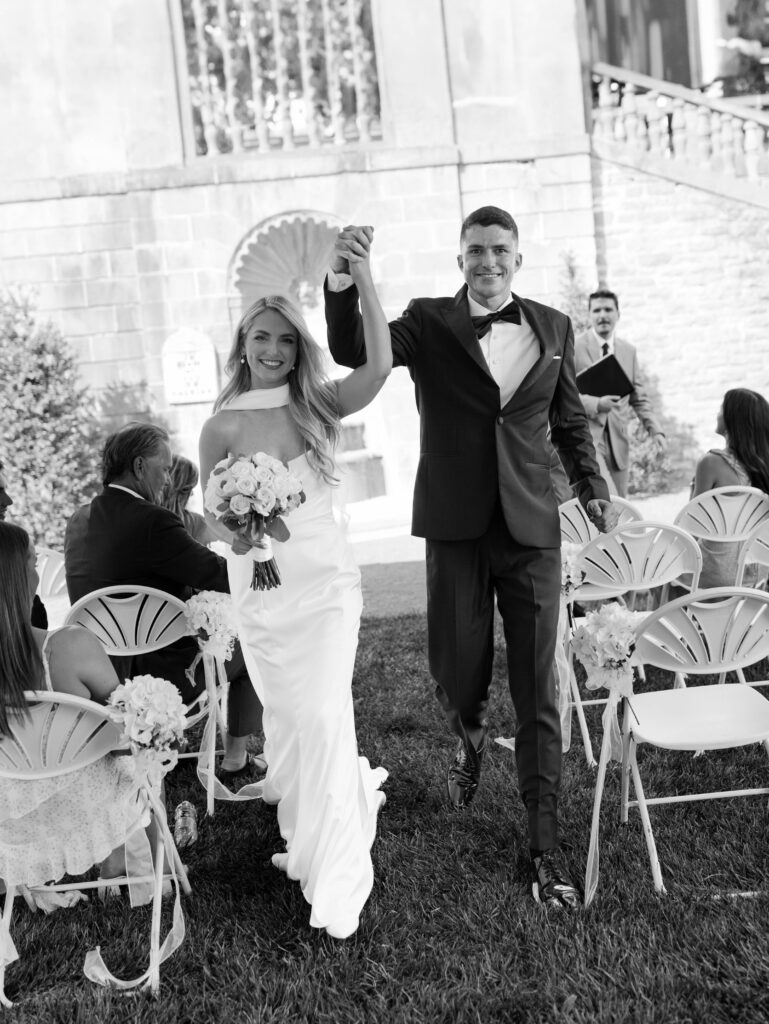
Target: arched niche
[[284, 255]]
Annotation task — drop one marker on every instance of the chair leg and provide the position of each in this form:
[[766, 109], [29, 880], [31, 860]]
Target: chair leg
[[680, 681], [5, 929], [627, 741], [647, 825], [157, 903], [577, 701]]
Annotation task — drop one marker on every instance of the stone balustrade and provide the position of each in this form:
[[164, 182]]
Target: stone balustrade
[[649, 116], [272, 75]]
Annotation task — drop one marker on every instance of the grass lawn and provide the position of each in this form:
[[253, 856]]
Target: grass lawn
[[450, 933]]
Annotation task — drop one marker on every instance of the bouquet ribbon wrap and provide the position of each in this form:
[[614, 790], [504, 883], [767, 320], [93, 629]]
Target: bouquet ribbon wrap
[[213, 655], [620, 684], [151, 766]]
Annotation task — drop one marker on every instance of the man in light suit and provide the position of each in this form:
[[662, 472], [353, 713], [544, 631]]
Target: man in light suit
[[609, 415], [491, 371]]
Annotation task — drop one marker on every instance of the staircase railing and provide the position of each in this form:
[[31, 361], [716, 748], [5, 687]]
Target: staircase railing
[[647, 116]]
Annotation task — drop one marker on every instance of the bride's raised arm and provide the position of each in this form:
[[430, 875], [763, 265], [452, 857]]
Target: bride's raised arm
[[362, 385]]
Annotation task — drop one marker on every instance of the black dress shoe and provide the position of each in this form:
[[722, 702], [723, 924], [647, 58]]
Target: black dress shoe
[[464, 773], [253, 769], [551, 883]]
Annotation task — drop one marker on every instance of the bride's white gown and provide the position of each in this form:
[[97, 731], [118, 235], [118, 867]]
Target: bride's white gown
[[299, 642]]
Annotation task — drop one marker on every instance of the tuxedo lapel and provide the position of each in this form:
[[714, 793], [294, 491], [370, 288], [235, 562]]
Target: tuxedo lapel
[[458, 320]]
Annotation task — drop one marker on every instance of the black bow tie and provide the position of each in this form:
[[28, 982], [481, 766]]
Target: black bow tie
[[511, 313]]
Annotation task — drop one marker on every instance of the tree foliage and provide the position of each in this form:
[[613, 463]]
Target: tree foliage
[[50, 433]]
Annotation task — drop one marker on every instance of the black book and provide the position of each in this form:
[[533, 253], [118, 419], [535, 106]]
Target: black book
[[606, 377]]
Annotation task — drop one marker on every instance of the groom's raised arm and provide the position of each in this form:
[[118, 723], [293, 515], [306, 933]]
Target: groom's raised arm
[[344, 325]]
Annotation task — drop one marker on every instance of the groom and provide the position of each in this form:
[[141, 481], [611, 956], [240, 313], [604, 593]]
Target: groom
[[491, 372]]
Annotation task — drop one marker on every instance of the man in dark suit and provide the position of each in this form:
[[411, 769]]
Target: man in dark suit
[[125, 536], [491, 372]]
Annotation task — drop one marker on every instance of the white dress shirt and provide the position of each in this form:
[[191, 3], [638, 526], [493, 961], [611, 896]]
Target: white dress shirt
[[510, 350], [604, 341]]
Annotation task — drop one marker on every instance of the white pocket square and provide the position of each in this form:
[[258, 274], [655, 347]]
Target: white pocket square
[[556, 357]]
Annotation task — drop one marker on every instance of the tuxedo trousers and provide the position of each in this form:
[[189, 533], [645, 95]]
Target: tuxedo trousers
[[463, 578]]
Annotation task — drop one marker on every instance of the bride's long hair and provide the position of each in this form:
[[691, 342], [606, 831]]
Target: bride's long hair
[[312, 397]]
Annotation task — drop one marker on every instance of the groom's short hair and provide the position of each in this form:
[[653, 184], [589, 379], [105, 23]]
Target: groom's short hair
[[485, 216], [133, 441]]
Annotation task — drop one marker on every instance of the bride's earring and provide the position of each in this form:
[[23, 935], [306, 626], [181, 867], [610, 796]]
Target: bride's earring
[[242, 359]]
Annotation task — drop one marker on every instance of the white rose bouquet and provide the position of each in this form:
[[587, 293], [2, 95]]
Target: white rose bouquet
[[209, 615], [150, 713], [604, 643], [250, 494]]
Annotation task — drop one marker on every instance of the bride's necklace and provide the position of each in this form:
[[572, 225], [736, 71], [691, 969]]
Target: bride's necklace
[[259, 398]]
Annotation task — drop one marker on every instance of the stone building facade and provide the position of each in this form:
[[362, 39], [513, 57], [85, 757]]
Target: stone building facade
[[144, 252]]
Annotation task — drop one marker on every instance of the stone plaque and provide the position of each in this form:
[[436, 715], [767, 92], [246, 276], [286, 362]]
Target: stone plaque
[[189, 368]]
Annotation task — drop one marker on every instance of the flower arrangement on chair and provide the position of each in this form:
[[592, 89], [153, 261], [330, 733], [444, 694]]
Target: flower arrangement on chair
[[605, 643], [210, 616]]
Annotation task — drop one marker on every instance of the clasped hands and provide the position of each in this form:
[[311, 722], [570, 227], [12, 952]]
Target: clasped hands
[[352, 248]]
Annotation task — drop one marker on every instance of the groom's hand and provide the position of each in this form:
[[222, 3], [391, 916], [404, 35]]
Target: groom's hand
[[352, 243], [603, 514]]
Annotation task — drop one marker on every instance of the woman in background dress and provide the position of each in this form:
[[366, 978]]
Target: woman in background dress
[[88, 813], [743, 422]]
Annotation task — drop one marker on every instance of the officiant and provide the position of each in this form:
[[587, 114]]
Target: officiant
[[609, 416]]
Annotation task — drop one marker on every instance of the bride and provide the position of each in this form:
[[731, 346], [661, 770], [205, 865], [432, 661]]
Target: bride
[[299, 639]]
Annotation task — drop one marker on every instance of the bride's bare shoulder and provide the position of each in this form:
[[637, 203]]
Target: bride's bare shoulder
[[221, 425]]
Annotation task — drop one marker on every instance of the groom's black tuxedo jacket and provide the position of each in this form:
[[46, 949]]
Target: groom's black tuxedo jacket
[[471, 451], [120, 538]]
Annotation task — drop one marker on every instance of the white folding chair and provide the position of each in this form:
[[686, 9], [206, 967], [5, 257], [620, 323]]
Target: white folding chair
[[131, 620], [725, 513], [755, 551], [578, 528], [63, 734], [709, 631], [724, 516], [50, 569], [634, 557]]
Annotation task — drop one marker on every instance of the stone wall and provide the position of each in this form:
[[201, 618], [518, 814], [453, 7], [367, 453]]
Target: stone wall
[[690, 268], [120, 273]]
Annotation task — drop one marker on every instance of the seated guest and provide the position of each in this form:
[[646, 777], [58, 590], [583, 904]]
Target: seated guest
[[244, 709], [182, 481], [87, 812], [125, 537], [39, 614], [743, 422]]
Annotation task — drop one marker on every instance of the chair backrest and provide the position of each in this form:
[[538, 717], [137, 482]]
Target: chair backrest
[[755, 550], [638, 556], [725, 513], [130, 620], [577, 528], [62, 733], [50, 569], [714, 630]]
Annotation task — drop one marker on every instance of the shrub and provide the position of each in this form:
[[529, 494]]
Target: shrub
[[50, 436]]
